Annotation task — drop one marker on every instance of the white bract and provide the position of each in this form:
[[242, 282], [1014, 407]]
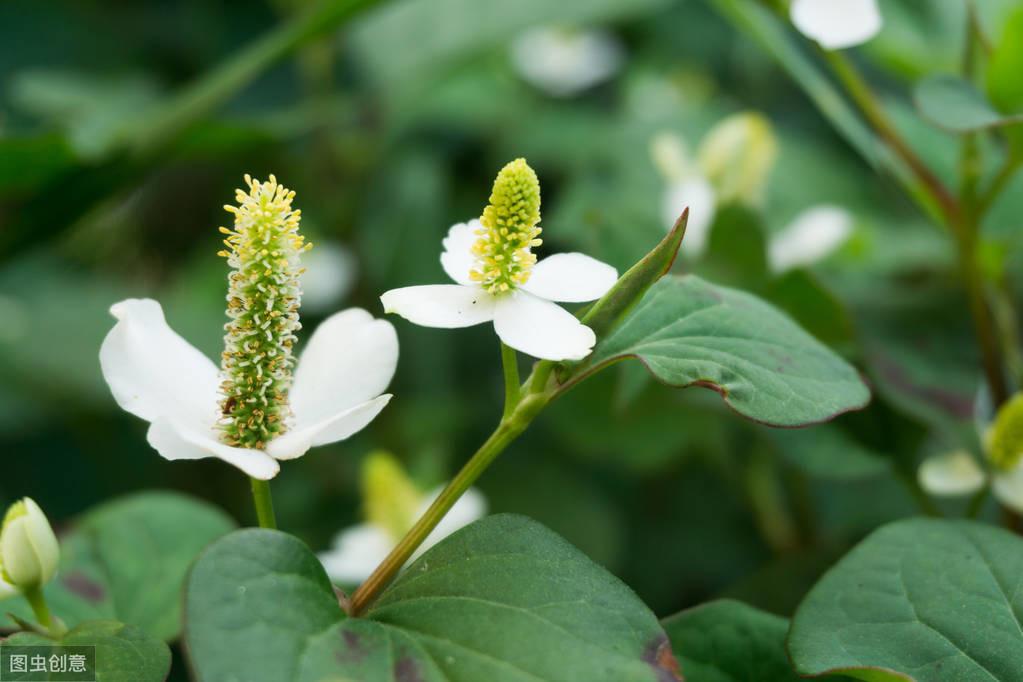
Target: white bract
[[356, 551], [330, 271], [812, 236], [498, 279], [564, 62], [29, 552], [837, 24], [158, 376]]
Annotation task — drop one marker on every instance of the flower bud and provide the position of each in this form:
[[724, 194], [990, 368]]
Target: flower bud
[[391, 498], [1005, 438], [737, 156], [29, 552]]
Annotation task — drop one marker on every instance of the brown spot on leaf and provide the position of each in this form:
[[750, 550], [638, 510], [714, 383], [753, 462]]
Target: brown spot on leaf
[[85, 587], [658, 654], [352, 649], [407, 670]]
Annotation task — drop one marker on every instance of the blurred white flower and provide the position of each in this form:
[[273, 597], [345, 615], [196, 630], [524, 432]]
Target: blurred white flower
[[563, 62], [812, 236], [499, 280], [836, 24], [958, 474], [953, 473], [330, 270], [158, 376], [697, 193], [393, 505], [737, 156]]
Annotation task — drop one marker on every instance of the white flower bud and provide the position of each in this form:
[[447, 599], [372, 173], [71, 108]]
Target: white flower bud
[[29, 552]]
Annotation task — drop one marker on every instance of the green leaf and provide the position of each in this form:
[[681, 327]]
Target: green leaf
[[728, 641], [689, 332], [127, 559], [953, 104], [631, 286], [1003, 82], [124, 653], [919, 599], [503, 599]]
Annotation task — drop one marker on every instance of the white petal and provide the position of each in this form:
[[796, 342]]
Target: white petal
[[296, 441], [955, 473], [562, 62], [330, 271], [152, 372], [457, 259], [571, 277], [698, 194], [441, 305], [814, 235], [173, 442], [356, 552], [1008, 488], [837, 24], [541, 329], [349, 359], [471, 506]]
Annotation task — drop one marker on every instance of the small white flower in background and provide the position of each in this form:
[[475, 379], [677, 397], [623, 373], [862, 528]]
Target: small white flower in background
[[836, 24], [29, 552], [261, 406], [564, 62], [958, 473], [330, 271], [499, 280], [733, 163], [392, 506], [686, 187], [812, 236]]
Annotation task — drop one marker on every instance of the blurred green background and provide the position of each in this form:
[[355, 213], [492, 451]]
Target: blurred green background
[[390, 127]]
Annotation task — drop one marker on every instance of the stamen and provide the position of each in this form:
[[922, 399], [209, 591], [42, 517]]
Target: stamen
[[509, 230], [263, 299]]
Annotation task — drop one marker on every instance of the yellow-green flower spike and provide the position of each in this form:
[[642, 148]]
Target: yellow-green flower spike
[[509, 230], [1005, 439], [391, 499], [263, 250]]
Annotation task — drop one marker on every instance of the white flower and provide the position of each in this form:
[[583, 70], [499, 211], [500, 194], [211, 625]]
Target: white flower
[[958, 474], [330, 271], [499, 280], [356, 551], [562, 62], [697, 193], [812, 236], [158, 376], [836, 24], [526, 318]]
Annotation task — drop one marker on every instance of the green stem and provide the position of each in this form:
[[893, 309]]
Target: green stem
[[507, 431], [39, 606], [923, 500], [264, 503], [977, 503], [868, 103], [216, 87], [512, 389]]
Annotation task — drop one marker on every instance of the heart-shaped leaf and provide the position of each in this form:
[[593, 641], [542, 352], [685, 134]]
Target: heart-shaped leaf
[[953, 104], [689, 332], [728, 641], [124, 653], [504, 599], [922, 600], [126, 560]]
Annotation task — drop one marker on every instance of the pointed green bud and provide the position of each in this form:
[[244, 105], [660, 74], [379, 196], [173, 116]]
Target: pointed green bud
[[1005, 438], [503, 251], [263, 250], [737, 156], [29, 552], [391, 498]]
